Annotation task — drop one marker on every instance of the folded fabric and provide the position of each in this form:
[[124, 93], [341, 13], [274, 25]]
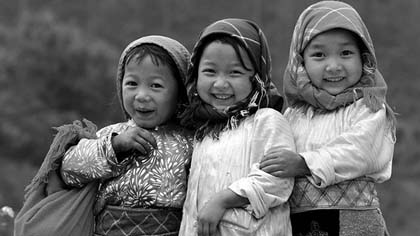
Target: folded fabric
[[50, 208]]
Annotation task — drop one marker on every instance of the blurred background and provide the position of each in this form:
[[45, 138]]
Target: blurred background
[[58, 63]]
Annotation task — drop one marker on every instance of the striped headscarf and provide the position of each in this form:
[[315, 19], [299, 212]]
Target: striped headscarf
[[298, 88], [264, 94]]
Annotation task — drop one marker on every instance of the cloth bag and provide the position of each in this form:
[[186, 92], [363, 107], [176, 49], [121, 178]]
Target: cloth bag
[[50, 208]]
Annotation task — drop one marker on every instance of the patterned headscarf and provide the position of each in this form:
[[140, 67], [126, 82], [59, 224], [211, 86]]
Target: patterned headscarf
[[264, 94], [176, 51], [318, 18]]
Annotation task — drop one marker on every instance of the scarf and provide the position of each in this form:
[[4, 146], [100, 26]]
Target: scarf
[[298, 88], [176, 51], [264, 94]]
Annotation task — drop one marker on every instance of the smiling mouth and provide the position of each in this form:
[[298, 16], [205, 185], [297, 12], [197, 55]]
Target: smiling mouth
[[334, 79], [144, 110], [222, 96]]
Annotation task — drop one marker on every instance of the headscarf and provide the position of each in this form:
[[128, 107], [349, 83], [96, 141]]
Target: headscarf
[[264, 94], [318, 18], [176, 51]]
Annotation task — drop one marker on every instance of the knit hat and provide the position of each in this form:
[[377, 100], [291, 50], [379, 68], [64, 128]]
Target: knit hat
[[176, 51]]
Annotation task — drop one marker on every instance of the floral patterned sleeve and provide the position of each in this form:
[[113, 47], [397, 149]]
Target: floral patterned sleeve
[[92, 159]]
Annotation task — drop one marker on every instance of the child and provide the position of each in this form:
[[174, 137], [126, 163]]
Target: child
[[343, 128], [141, 194], [228, 87]]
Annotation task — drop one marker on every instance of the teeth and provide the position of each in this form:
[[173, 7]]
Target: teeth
[[334, 79], [222, 96]]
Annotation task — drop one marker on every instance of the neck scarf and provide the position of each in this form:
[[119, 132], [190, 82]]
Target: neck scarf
[[264, 94], [298, 88], [176, 51]]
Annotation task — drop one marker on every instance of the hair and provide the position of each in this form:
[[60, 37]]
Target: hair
[[160, 56]]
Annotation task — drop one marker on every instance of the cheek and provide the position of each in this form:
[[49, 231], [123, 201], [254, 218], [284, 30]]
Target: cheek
[[358, 68], [243, 88], [170, 101], [314, 72], [127, 99], [202, 86]]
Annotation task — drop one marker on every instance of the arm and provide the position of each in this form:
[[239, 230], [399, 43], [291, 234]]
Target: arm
[[210, 215], [87, 161], [284, 164], [104, 157], [258, 191], [271, 133], [364, 149]]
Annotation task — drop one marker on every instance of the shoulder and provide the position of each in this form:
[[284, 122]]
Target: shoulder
[[184, 132], [359, 110], [177, 132], [117, 127], [268, 114], [268, 118]]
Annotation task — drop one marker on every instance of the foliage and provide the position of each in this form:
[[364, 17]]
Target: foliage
[[54, 75], [58, 63]]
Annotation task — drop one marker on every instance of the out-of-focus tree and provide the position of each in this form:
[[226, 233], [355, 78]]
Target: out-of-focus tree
[[51, 74]]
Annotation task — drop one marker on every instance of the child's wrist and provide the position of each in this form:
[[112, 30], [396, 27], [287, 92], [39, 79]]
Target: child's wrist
[[229, 199], [114, 143], [304, 167]]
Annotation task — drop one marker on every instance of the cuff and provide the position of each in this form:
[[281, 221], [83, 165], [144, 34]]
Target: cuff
[[117, 166], [321, 166]]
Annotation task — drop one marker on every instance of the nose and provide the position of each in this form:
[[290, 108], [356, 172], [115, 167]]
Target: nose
[[220, 82], [334, 65], [142, 95]]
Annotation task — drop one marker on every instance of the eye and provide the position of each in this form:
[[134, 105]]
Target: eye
[[236, 72], [317, 55], [347, 52], [130, 83], [208, 71], [156, 85]]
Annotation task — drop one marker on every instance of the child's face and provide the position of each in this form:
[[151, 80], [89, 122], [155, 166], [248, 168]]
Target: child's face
[[333, 61], [222, 79], [150, 92]]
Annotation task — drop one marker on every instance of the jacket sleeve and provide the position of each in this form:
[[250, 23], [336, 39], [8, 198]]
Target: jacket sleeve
[[264, 191], [364, 149], [91, 159]]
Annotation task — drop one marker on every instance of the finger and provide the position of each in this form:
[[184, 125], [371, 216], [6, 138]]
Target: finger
[[272, 168], [147, 137], [269, 156], [212, 229], [268, 169], [269, 162], [139, 148], [200, 228], [280, 174], [144, 143], [206, 230]]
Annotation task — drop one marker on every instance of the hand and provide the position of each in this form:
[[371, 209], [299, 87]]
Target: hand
[[209, 217], [285, 164], [135, 139]]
